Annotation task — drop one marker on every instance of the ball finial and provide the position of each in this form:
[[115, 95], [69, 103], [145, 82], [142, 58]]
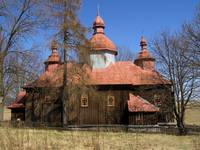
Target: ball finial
[[53, 45]]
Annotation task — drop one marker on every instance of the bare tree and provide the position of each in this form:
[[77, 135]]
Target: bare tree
[[18, 20], [191, 35], [2, 6], [174, 60], [22, 68]]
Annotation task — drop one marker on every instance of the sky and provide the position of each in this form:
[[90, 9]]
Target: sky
[[127, 20]]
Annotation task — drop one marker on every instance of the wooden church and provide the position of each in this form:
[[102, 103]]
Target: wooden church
[[114, 92]]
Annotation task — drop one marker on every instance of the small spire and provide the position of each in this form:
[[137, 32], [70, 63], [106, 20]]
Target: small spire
[[98, 24], [54, 46], [143, 43]]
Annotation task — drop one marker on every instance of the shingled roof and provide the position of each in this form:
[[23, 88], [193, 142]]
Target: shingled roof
[[99, 41], [19, 101], [138, 104], [125, 73], [119, 73]]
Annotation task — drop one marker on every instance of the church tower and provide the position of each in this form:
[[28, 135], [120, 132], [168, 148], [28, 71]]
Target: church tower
[[54, 59], [103, 51], [144, 59]]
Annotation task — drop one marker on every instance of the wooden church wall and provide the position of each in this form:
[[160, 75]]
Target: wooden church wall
[[98, 111], [141, 118], [29, 108], [160, 96], [43, 109]]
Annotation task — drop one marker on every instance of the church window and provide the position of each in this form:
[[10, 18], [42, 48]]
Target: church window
[[47, 99], [157, 101], [111, 101], [84, 101]]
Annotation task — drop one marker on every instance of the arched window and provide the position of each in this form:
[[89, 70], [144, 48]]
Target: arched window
[[84, 100], [111, 101], [47, 99], [157, 101]]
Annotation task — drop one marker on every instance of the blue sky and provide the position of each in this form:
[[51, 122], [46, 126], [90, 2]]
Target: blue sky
[[127, 20]]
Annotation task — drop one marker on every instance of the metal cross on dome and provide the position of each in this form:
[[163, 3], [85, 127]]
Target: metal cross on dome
[[98, 11]]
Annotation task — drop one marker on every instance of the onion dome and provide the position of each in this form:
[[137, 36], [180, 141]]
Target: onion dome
[[99, 41], [54, 57], [98, 22], [144, 59], [144, 53]]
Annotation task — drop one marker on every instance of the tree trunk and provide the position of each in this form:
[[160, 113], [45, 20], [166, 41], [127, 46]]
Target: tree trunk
[[65, 98], [1, 86], [1, 74], [181, 127], [65, 88]]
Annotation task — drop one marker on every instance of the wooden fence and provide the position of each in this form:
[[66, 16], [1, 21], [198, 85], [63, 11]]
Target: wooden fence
[[160, 129]]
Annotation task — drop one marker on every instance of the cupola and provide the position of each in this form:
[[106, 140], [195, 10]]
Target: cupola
[[98, 25], [144, 59], [99, 41], [54, 59], [103, 50]]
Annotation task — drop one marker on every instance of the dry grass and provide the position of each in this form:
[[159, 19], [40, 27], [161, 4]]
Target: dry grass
[[34, 139], [192, 116]]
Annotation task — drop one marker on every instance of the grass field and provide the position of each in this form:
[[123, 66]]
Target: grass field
[[35, 139], [192, 114], [32, 139]]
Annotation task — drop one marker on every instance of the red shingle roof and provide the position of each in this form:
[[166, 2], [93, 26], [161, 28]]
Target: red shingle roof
[[101, 42], [138, 104], [123, 73], [18, 103], [144, 53], [54, 78], [119, 73]]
